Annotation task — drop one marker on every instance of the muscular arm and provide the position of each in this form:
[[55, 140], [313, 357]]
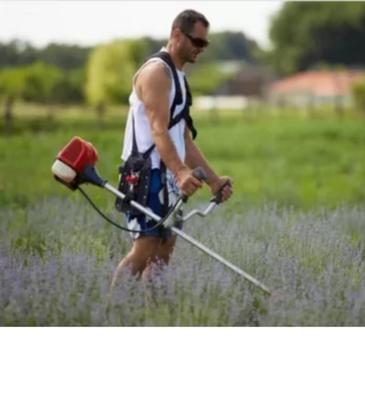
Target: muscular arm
[[153, 86]]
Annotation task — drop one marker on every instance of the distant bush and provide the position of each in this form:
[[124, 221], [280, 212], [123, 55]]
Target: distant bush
[[206, 78], [110, 70], [42, 83], [358, 92]]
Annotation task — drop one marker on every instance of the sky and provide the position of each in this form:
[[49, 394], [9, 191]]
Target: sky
[[92, 22]]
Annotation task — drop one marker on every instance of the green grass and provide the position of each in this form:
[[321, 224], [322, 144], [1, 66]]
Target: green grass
[[291, 159], [57, 255]]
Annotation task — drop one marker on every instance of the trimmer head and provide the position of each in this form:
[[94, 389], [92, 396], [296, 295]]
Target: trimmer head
[[75, 164]]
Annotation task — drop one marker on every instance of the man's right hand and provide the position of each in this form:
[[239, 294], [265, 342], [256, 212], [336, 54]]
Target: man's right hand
[[187, 182]]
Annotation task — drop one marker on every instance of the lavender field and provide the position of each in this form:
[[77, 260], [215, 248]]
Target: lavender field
[[57, 255], [57, 258]]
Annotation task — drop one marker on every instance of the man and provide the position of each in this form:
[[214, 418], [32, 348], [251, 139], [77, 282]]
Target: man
[[149, 119]]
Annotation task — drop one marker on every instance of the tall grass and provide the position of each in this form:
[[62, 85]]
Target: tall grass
[[291, 159], [57, 259], [57, 256]]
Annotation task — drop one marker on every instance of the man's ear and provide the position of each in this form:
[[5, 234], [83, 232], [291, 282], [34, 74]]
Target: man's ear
[[176, 34]]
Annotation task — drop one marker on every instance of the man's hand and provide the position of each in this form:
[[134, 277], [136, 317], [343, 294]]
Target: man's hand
[[227, 190], [187, 182]]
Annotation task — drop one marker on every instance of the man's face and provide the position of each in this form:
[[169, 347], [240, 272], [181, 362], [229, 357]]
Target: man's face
[[193, 43]]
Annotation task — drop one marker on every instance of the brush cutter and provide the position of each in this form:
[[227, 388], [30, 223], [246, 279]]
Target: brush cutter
[[75, 165]]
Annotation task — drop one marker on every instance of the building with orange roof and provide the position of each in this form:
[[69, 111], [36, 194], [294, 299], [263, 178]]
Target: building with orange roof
[[315, 88]]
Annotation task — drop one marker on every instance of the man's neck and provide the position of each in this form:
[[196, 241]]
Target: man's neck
[[179, 64]]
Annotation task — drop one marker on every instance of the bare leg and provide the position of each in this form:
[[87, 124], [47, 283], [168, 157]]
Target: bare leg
[[148, 256], [161, 258], [155, 265], [136, 260]]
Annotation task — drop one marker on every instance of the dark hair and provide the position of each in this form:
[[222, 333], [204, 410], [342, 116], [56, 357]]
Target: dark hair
[[186, 20]]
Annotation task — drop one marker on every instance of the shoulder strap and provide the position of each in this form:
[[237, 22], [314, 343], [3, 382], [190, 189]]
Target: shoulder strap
[[134, 141], [189, 103], [185, 113], [165, 56], [135, 150]]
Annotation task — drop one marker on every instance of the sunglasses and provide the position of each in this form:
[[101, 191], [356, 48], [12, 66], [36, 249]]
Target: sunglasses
[[197, 42]]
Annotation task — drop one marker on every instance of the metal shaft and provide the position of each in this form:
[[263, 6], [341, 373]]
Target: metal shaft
[[136, 205], [192, 241], [219, 258]]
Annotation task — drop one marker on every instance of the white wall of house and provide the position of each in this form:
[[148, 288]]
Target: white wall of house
[[305, 99], [234, 102]]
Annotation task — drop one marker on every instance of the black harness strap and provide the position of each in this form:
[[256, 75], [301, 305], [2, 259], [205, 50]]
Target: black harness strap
[[134, 141], [185, 113], [189, 102], [178, 99]]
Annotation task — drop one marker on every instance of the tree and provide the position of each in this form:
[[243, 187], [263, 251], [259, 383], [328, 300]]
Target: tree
[[12, 82], [229, 45], [110, 70], [70, 88], [207, 77], [306, 34], [358, 93], [19, 53], [48, 84], [40, 82], [64, 56]]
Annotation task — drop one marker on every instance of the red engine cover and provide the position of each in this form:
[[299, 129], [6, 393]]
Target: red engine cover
[[77, 154]]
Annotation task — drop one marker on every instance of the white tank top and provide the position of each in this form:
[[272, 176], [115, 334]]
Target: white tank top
[[142, 126]]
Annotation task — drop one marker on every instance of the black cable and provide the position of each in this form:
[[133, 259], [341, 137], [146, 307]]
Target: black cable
[[158, 224]]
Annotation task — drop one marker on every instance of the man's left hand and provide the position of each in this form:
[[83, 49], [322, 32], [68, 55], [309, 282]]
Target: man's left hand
[[227, 190]]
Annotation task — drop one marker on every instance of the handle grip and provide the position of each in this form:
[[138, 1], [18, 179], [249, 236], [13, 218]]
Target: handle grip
[[198, 173], [219, 195]]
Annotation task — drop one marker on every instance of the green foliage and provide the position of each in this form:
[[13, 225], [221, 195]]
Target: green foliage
[[206, 77], [41, 81], [289, 159], [67, 57], [16, 53], [153, 45], [71, 87], [60, 73], [20, 53], [110, 70], [307, 33], [12, 82], [358, 92], [229, 45]]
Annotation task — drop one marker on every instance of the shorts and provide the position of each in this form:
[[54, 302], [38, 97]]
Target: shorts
[[155, 202]]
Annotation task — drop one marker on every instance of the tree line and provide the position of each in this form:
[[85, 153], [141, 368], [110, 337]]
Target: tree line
[[304, 35], [98, 75], [312, 34]]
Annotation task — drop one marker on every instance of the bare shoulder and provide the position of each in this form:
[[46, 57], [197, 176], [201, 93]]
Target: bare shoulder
[[153, 75]]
